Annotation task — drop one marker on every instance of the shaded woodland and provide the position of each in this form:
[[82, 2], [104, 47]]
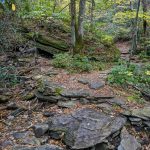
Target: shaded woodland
[[75, 75]]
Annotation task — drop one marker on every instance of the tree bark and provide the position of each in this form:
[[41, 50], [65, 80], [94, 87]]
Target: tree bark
[[144, 3], [73, 23], [92, 13], [79, 40], [135, 31]]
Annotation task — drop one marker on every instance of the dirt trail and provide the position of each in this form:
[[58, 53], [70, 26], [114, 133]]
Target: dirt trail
[[124, 49]]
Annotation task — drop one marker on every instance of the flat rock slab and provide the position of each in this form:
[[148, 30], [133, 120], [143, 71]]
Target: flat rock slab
[[75, 93], [143, 113], [67, 104], [96, 85], [43, 147], [128, 142], [26, 138], [85, 128], [83, 81]]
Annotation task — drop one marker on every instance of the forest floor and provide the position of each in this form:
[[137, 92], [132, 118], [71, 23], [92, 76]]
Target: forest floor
[[33, 111]]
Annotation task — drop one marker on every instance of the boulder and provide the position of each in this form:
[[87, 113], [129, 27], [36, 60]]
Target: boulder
[[128, 142], [85, 128]]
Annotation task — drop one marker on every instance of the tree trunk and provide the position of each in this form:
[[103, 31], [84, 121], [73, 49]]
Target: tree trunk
[[135, 31], [144, 3], [73, 23], [79, 40], [92, 13]]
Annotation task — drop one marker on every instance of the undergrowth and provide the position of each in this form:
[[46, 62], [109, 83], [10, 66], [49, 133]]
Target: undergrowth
[[136, 75], [77, 63], [8, 76]]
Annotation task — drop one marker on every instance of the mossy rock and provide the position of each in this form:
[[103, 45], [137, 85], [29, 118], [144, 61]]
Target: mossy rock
[[48, 44], [29, 96], [44, 40]]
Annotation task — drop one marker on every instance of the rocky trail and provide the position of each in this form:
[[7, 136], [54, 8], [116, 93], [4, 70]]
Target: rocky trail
[[54, 110]]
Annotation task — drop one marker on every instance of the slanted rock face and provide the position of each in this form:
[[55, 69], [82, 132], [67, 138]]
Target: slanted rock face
[[128, 142], [85, 127]]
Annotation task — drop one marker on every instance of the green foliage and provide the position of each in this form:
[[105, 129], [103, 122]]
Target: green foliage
[[62, 60], [81, 63], [138, 75], [136, 97], [120, 75], [10, 38], [77, 63]]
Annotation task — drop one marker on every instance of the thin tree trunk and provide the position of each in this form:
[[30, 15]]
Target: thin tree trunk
[[135, 32], [54, 7], [144, 3], [80, 43], [73, 23], [92, 13]]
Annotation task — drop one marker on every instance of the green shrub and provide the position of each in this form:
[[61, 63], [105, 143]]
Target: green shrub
[[137, 75], [81, 63], [120, 75], [136, 97], [62, 60], [77, 63]]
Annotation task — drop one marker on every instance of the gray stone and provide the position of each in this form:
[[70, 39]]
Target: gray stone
[[67, 104], [128, 142], [12, 106], [5, 144], [26, 138], [96, 85], [50, 99], [40, 129], [50, 88], [49, 114], [43, 147], [86, 127], [117, 101], [49, 147], [105, 107], [75, 93], [83, 81], [147, 123], [100, 98], [143, 113], [133, 119]]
